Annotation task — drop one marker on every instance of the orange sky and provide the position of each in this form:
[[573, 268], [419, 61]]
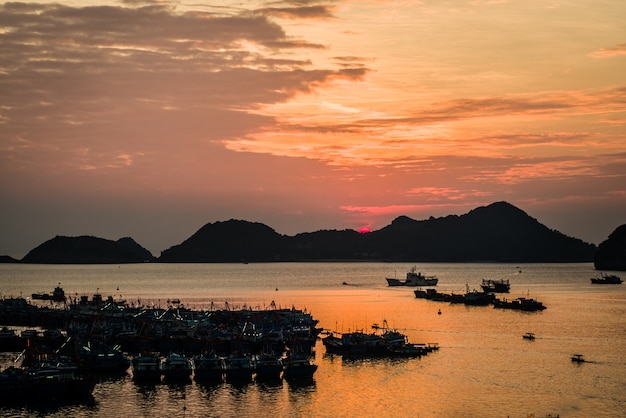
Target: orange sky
[[150, 119]]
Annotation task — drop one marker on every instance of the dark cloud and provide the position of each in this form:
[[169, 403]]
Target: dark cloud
[[73, 71]]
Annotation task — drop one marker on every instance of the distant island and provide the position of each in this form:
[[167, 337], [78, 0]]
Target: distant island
[[499, 232], [88, 250]]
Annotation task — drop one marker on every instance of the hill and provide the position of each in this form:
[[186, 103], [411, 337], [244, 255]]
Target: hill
[[8, 259], [499, 232], [228, 242], [611, 253], [88, 250]]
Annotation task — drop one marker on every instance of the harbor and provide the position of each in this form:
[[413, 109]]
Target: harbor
[[102, 335], [481, 350]]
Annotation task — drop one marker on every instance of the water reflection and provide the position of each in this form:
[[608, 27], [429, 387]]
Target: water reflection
[[271, 384], [300, 386], [482, 357], [48, 407]]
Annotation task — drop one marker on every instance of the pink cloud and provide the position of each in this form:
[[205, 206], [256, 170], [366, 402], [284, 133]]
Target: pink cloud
[[609, 52]]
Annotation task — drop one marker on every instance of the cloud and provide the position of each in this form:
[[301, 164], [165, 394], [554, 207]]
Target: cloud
[[460, 126], [301, 12], [445, 194], [609, 52], [129, 83]]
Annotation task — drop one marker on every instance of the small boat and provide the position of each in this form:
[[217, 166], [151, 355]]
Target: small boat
[[520, 304], [207, 368], [146, 368], [413, 279], [268, 367], [408, 350], [238, 368], [528, 336], [102, 359], [357, 343], [578, 358], [606, 279], [45, 380], [476, 298], [496, 286], [298, 366], [176, 367], [57, 295]]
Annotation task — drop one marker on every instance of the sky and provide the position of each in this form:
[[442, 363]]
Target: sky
[[150, 119]]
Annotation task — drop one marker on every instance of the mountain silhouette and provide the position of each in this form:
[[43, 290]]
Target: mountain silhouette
[[499, 232], [229, 241], [611, 253], [88, 250]]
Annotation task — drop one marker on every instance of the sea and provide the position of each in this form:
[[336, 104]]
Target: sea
[[484, 367]]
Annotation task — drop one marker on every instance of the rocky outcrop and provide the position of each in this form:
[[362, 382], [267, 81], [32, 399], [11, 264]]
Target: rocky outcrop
[[88, 250], [611, 253], [8, 259]]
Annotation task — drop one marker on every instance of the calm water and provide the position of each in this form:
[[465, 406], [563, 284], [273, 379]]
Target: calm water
[[483, 369]]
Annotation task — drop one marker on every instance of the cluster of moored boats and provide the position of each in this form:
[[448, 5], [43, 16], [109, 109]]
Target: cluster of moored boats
[[75, 341], [483, 297], [211, 368], [386, 343], [56, 376], [45, 379]]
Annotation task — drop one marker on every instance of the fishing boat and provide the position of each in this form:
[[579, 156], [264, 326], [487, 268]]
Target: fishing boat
[[176, 367], [57, 295], [207, 368], [238, 368], [520, 304], [146, 368], [407, 350], [476, 298], [45, 380], [102, 359], [606, 279], [298, 366], [356, 343], [528, 336], [268, 367], [496, 286], [413, 278]]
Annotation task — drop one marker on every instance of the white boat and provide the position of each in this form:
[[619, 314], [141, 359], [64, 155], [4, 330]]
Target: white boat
[[413, 279]]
